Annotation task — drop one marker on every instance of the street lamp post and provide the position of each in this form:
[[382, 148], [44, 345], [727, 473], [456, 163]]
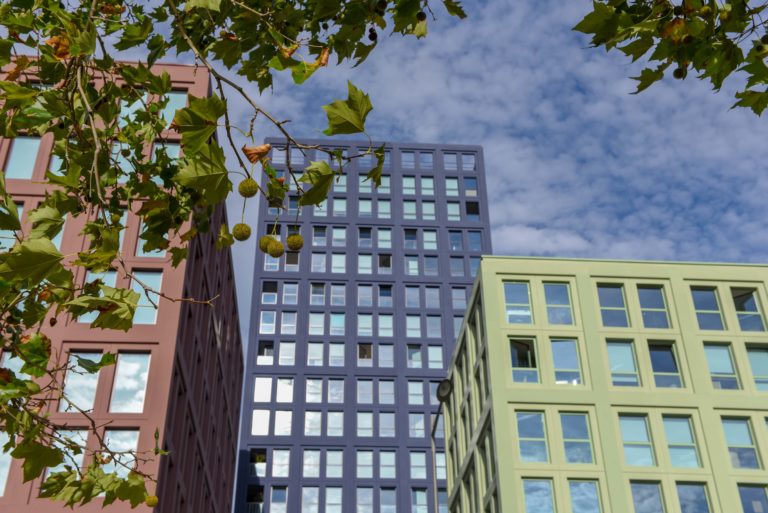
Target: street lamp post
[[443, 393]]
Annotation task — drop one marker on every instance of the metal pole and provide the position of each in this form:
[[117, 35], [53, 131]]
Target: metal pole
[[434, 458]]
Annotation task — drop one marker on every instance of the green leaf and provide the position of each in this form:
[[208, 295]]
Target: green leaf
[[638, 47], [36, 353], [178, 255], [302, 71], [37, 457], [197, 123], [348, 116], [9, 211], [320, 175], [211, 5], [46, 222], [116, 307], [420, 30], [647, 77], [206, 173], [93, 367], [602, 22], [454, 8], [225, 238], [32, 260], [375, 173], [755, 100], [135, 34]]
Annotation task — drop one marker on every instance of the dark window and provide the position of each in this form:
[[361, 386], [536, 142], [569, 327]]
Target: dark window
[[473, 210], [666, 373]]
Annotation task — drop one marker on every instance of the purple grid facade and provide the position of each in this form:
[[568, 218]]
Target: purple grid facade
[[350, 335]]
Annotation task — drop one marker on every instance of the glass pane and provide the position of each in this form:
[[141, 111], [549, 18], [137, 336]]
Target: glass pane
[[566, 359], [758, 361], [693, 498], [611, 296], [130, 383], [753, 498], [585, 496], [663, 358], [704, 299], [647, 498], [538, 496], [79, 385], [21, 161], [146, 310], [119, 440], [651, 297], [615, 318]]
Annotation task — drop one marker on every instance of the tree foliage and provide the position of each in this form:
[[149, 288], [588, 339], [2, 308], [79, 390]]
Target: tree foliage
[[63, 76], [713, 39]]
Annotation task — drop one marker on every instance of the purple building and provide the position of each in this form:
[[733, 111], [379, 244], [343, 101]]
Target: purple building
[[351, 334]]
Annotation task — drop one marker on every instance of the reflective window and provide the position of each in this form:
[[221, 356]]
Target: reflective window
[[79, 384], [518, 302], [647, 498], [585, 496], [578, 444], [680, 441], [418, 465], [281, 462], [638, 450], [558, 298], [653, 306], [565, 357], [747, 309], [121, 440], [721, 368], [666, 373], [707, 308], [741, 444], [753, 498], [613, 307], [532, 437], [538, 496], [621, 356], [693, 497], [130, 383], [334, 463], [758, 361], [311, 464], [279, 499], [20, 163], [149, 300]]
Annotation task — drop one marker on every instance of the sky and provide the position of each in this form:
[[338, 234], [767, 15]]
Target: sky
[[576, 166]]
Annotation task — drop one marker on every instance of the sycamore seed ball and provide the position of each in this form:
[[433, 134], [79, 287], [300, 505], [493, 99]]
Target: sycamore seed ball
[[295, 242], [248, 188], [264, 243], [151, 501], [275, 249], [241, 231]]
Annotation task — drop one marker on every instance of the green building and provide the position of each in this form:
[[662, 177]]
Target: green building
[[589, 386]]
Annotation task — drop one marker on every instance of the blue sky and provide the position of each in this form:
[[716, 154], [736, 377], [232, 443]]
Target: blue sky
[[576, 165]]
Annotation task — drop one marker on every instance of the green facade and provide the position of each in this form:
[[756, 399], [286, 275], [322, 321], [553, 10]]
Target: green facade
[[646, 402]]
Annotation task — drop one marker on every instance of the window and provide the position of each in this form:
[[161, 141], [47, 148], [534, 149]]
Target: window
[[450, 161], [339, 207], [335, 423], [279, 500], [260, 422], [292, 261], [271, 264], [621, 356], [457, 266], [267, 322], [408, 159], [453, 210], [312, 422], [440, 471], [518, 302], [456, 240], [585, 496], [366, 207], [386, 392], [385, 209], [20, 163], [364, 500], [538, 496], [524, 367], [317, 294], [435, 357], [364, 462], [364, 391], [269, 293], [290, 293], [318, 236], [412, 326], [419, 500], [646, 497], [314, 392], [470, 186], [384, 186], [335, 390], [758, 361], [337, 324], [565, 357], [409, 209], [558, 298], [121, 440], [284, 390], [707, 308], [364, 238], [428, 210], [266, 353], [281, 459], [338, 263], [741, 444], [311, 466], [334, 463], [364, 424], [467, 162], [310, 499], [474, 265], [384, 238], [427, 186], [425, 160], [613, 308], [146, 309], [288, 323], [364, 184], [339, 236], [335, 355], [451, 186], [475, 240], [411, 265], [385, 264], [410, 238], [753, 498], [385, 296], [386, 355], [387, 425], [287, 353], [680, 441], [282, 423], [315, 354], [721, 369], [416, 425], [653, 306], [532, 437], [414, 356], [638, 450], [318, 263], [387, 467], [364, 264], [365, 295], [79, 385], [409, 185], [431, 265], [418, 465], [666, 373], [472, 208], [434, 326], [747, 310], [412, 296], [578, 445], [130, 384], [415, 393], [365, 355]]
